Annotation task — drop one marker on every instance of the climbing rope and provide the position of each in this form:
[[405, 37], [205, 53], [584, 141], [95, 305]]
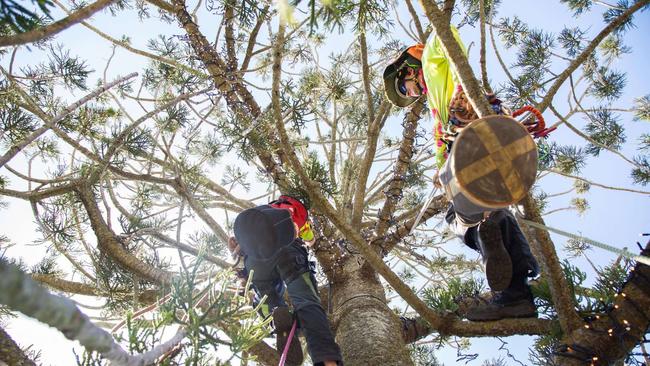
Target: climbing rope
[[283, 358], [622, 252]]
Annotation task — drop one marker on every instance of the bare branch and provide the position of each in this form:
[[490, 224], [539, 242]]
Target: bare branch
[[580, 59], [49, 122]]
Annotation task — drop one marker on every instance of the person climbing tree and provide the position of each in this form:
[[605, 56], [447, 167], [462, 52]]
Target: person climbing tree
[[270, 239], [425, 70]]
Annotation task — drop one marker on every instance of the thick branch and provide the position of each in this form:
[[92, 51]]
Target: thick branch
[[71, 287], [457, 58], [20, 293], [615, 334], [56, 27], [395, 188], [484, 75], [561, 78], [11, 353], [560, 291], [109, 243]]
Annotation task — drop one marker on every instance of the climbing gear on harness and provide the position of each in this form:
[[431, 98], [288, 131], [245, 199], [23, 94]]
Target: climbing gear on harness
[[537, 129], [622, 252]]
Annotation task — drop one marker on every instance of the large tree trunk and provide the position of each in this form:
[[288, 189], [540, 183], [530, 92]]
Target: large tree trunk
[[367, 330]]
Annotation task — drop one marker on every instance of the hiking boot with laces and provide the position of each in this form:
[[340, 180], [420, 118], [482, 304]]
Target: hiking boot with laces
[[498, 265], [506, 304], [282, 322]]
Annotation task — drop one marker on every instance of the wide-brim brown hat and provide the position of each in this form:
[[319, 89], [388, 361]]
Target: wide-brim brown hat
[[407, 56]]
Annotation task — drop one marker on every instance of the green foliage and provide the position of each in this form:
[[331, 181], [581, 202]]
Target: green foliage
[[642, 108], [581, 186], [572, 40], [198, 311], [22, 19], [47, 266], [644, 142], [580, 204], [578, 6], [603, 127], [569, 159], [612, 47], [367, 15], [588, 301], [423, 354], [614, 12], [234, 176], [543, 352], [607, 84], [641, 174], [512, 31], [472, 10], [575, 248], [318, 173], [446, 298]]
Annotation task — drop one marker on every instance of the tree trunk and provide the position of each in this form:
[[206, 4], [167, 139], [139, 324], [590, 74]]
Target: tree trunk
[[11, 353], [367, 330]]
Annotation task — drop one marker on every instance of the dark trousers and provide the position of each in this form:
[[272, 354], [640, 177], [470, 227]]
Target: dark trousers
[[523, 263], [291, 269]]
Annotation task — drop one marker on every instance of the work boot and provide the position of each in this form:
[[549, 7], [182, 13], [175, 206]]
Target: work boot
[[498, 265], [506, 304], [282, 322]]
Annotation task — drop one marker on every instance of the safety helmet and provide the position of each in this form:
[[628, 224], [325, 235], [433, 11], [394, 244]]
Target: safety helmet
[[299, 215]]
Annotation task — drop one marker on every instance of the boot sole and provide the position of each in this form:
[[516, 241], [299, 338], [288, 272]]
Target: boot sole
[[498, 265], [283, 321]]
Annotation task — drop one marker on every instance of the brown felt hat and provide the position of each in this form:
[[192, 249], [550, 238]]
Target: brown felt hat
[[408, 56]]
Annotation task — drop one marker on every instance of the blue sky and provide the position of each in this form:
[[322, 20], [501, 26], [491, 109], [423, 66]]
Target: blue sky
[[614, 217]]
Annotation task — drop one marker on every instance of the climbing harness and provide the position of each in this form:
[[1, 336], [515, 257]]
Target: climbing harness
[[622, 252], [283, 358]]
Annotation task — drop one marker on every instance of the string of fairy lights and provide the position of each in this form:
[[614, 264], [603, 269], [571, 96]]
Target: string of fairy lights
[[609, 322]]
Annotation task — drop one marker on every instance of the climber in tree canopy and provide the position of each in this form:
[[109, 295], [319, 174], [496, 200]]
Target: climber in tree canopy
[[425, 70], [269, 238]]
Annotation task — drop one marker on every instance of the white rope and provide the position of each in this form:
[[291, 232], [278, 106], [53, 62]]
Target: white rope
[[623, 252]]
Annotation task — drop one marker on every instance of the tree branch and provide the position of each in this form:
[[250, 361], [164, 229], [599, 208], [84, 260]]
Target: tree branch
[[560, 291], [20, 293], [457, 58], [395, 188], [56, 27], [580, 59], [49, 122], [111, 245], [11, 353]]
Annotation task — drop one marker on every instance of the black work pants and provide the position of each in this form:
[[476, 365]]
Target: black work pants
[[291, 268], [523, 263]]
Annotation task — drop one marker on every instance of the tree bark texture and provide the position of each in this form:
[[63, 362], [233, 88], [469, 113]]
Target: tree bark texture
[[609, 338], [367, 330], [11, 353]]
